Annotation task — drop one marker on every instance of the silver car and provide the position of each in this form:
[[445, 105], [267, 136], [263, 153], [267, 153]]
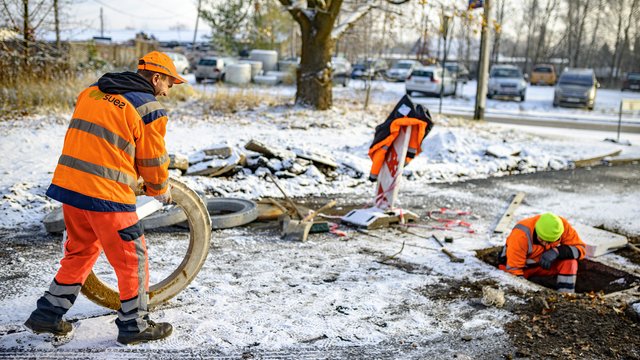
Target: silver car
[[400, 71], [212, 67], [506, 80], [576, 88], [430, 80]]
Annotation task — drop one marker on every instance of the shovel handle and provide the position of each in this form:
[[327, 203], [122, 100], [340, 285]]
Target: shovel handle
[[326, 206]]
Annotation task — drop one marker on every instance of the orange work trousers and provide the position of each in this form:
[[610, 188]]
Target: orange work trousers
[[121, 237], [565, 269]]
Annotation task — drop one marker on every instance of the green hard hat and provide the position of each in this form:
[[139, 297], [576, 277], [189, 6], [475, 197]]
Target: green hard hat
[[549, 227]]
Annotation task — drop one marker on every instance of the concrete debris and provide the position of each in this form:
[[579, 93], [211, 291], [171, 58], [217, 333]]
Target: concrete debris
[[213, 165], [492, 297], [178, 161], [269, 151], [317, 158], [220, 150], [502, 151]]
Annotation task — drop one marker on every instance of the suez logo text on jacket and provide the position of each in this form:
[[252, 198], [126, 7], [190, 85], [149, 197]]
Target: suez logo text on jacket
[[97, 95]]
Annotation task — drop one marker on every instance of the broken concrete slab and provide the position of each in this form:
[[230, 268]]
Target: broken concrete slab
[[268, 150], [217, 167], [219, 150], [178, 161], [599, 242], [317, 158], [502, 151]]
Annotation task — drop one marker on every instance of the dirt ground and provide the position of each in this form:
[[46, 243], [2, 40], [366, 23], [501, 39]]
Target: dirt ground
[[546, 325]]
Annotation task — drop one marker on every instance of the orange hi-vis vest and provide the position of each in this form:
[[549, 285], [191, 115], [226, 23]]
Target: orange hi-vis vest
[[404, 114], [522, 248], [112, 140]]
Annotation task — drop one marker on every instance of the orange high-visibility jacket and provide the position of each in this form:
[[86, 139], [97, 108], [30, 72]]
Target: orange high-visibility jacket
[[115, 136], [404, 114], [523, 249]]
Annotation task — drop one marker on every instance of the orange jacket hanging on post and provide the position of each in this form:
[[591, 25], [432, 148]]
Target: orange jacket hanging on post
[[522, 248], [406, 113], [112, 140]]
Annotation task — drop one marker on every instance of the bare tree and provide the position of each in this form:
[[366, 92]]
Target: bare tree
[[495, 51], [541, 47], [319, 32]]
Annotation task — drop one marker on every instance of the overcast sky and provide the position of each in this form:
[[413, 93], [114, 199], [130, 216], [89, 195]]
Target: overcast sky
[[150, 16]]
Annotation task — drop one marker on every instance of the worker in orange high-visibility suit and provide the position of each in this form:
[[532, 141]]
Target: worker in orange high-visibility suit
[[116, 135], [544, 245]]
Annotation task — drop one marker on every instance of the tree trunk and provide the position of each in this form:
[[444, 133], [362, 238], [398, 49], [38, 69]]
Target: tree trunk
[[314, 76], [592, 47], [532, 21], [625, 42], [582, 15], [617, 43], [26, 31], [56, 17]]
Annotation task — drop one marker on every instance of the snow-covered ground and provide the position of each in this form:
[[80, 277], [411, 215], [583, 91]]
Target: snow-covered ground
[[257, 292], [455, 150]]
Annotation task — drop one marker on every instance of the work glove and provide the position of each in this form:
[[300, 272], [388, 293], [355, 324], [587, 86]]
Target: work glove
[[548, 257], [165, 197]]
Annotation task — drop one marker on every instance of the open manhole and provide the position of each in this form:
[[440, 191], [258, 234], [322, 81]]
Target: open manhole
[[592, 275]]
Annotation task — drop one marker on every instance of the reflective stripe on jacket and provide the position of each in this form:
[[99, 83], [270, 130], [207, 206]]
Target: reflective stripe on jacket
[[404, 114], [112, 140], [523, 249]]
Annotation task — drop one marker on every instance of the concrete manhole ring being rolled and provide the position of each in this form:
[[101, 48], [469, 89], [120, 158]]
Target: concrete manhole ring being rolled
[[199, 239]]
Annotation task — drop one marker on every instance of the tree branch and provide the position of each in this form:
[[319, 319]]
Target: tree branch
[[4, 5], [356, 15], [297, 13]]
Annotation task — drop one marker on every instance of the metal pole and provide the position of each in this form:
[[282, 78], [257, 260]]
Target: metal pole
[[101, 23], [483, 67], [445, 33], [195, 32], [444, 61], [619, 120]]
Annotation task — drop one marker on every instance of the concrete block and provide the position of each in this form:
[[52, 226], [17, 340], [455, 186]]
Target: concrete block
[[599, 242]]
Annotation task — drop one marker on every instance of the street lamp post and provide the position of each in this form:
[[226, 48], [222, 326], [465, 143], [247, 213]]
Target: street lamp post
[[445, 33]]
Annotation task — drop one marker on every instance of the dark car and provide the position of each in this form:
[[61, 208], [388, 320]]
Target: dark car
[[374, 69], [576, 88], [631, 81], [459, 71]]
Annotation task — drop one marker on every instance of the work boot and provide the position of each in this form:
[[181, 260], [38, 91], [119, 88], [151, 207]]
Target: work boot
[[59, 328], [155, 331]]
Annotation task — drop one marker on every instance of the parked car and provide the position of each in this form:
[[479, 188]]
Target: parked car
[[401, 69], [341, 70], [576, 87], [429, 80], [180, 61], [458, 71], [506, 80], [631, 81], [543, 74], [212, 67], [374, 69]]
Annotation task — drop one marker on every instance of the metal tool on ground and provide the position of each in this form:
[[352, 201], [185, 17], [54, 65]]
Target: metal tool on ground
[[505, 220], [452, 257], [286, 197], [299, 230]]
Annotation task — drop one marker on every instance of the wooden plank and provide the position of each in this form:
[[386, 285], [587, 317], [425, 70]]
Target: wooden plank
[[505, 220], [595, 160]]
